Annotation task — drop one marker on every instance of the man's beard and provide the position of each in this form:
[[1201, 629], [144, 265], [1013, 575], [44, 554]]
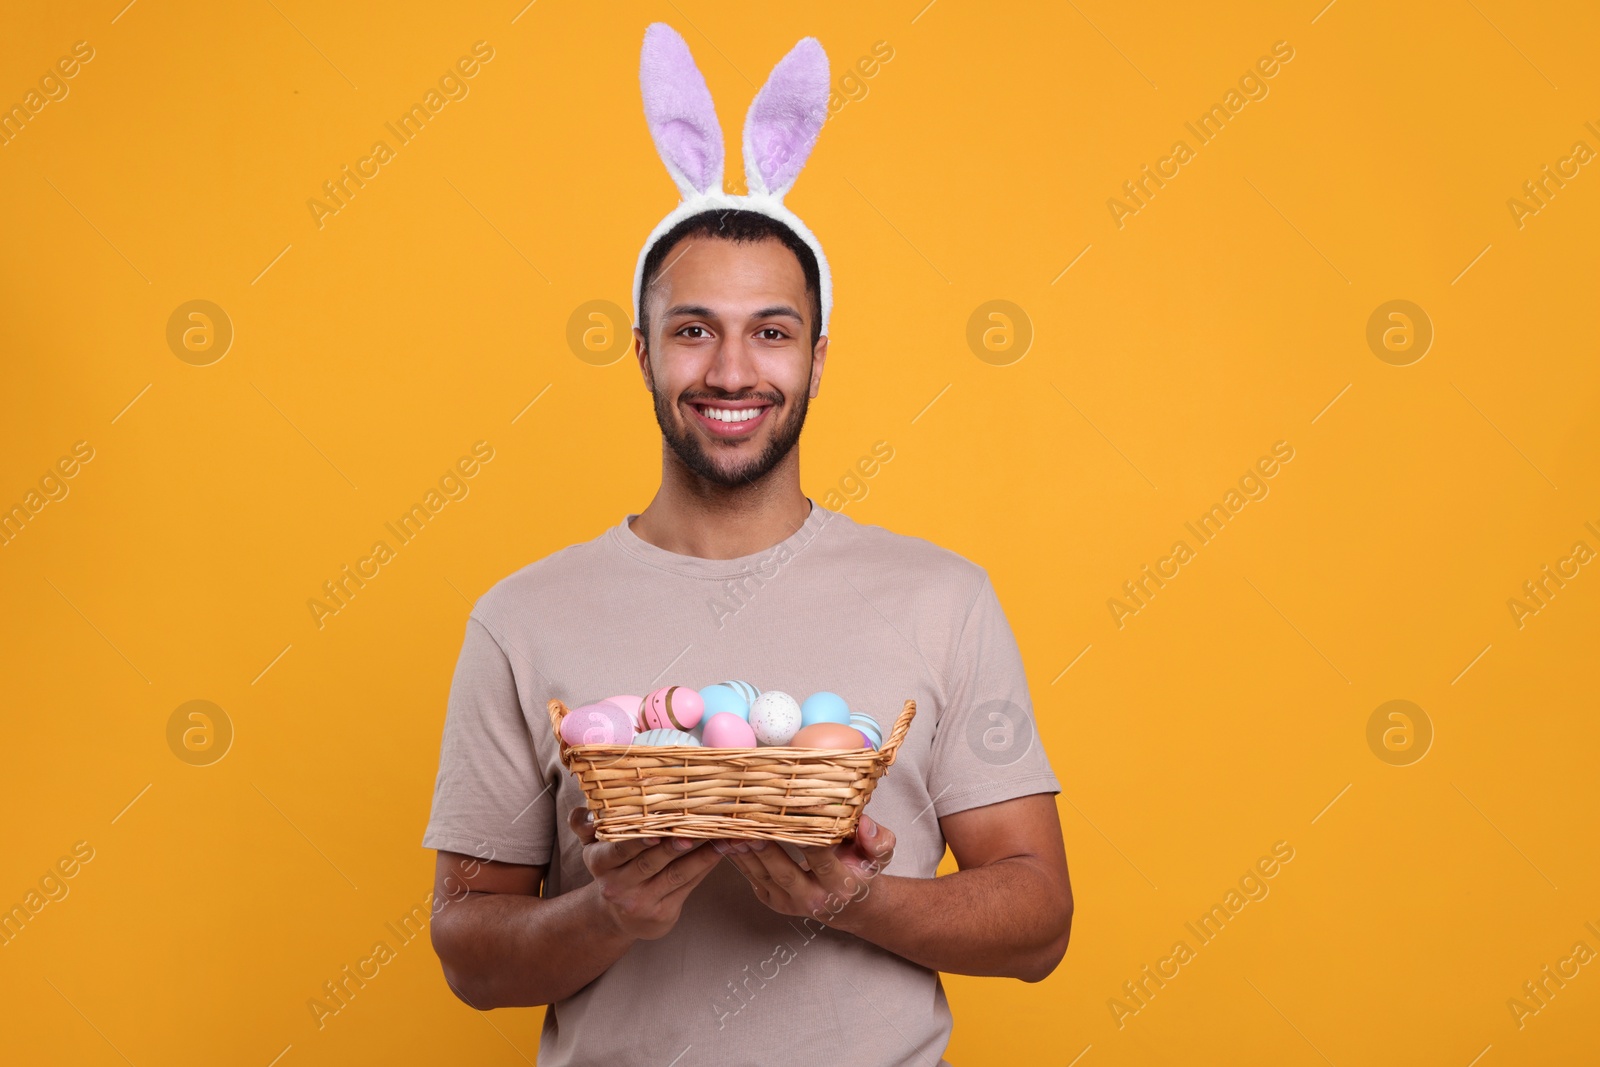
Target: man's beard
[[690, 447]]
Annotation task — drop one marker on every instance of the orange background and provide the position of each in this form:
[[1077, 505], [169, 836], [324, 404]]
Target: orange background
[[1230, 312]]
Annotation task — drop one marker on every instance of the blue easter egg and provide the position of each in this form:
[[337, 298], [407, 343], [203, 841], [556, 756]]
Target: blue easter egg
[[824, 707], [869, 727], [723, 697]]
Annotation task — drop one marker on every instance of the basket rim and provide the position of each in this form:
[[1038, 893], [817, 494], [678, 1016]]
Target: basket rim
[[884, 754]]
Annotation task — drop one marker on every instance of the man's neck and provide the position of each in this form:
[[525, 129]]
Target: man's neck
[[714, 522]]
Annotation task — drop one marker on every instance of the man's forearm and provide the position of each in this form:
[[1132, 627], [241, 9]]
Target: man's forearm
[[503, 950], [1001, 920]]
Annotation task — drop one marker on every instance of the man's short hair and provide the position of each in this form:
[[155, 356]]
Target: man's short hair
[[743, 227]]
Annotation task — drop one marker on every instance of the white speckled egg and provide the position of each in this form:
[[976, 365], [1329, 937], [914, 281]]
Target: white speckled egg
[[774, 716]]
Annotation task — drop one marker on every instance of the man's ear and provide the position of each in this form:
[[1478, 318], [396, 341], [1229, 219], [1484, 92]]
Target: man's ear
[[641, 352], [819, 356]]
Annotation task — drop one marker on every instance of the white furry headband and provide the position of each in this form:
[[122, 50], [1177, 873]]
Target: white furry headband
[[779, 132]]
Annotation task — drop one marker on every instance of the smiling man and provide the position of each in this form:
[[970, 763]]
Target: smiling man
[[729, 413], [661, 951]]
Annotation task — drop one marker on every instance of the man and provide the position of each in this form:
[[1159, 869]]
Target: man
[[686, 951]]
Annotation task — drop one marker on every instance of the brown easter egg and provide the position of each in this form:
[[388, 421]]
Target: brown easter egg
[[828, 735]]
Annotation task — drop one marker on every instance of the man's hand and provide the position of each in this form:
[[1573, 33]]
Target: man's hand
[[833, 882], [643, 881]]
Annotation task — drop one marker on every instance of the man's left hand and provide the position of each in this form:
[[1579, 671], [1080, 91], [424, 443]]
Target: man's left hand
[[832, 889]]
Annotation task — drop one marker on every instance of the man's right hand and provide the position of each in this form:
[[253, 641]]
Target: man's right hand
[[643, 881]]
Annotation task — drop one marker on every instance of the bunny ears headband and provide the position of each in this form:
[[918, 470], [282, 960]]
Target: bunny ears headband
[[779, 132]]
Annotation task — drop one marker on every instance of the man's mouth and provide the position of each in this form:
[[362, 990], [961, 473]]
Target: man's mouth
[[733, 419]]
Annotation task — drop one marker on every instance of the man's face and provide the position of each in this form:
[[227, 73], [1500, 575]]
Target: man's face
[[729, 359]]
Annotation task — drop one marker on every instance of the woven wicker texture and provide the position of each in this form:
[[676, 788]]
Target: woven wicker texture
[[805, 796]]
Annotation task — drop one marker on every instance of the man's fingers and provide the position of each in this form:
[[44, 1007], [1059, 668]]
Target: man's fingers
[[676, 897], [823, 863], [659, 860], [636, 861], [581, 821], [782, 872], [685, 871], [886, 843], [610, 855], [874, 842], [745, 863], [873, 837]]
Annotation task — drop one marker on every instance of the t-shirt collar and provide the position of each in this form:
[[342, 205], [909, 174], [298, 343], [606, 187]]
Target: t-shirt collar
[[623, 537]]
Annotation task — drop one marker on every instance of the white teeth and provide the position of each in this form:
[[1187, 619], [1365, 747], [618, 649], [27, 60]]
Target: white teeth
[[730, 415]]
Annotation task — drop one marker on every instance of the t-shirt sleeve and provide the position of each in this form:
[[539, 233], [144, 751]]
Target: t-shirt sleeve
[[987, 747], [491, 799]]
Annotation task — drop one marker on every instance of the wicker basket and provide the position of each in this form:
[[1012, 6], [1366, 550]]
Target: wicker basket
[[804, 796]]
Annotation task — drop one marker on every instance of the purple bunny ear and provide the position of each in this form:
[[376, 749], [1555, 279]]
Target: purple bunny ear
[[677, 107], [785, 118]]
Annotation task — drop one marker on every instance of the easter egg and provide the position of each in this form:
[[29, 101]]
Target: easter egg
[[824, 707], [666, 737], [630, 704], [727, 730], [722, 697], [602, 723], [828, 735], [869, 728], [774, 716], [673, 707], [744, 689]]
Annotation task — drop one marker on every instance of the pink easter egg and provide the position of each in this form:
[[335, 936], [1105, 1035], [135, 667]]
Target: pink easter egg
[[602, 723], [632, 705], [673, 707], [727, 730]]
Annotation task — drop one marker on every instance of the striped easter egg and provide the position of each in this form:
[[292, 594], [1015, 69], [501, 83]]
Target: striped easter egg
[[666, 737], [869, 728], [744, 689], [672, 707]]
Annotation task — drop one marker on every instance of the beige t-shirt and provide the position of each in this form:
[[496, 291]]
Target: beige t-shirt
[[871, 615]]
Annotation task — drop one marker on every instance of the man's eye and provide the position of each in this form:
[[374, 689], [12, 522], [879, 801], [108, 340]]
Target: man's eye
[[686, 328], [780, 335]]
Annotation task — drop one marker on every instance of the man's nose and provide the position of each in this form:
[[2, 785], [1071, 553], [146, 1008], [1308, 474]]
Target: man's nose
[[733, 367]]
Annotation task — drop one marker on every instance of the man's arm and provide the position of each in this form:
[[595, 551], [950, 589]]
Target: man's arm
[[502, 945], [1006, 913]]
